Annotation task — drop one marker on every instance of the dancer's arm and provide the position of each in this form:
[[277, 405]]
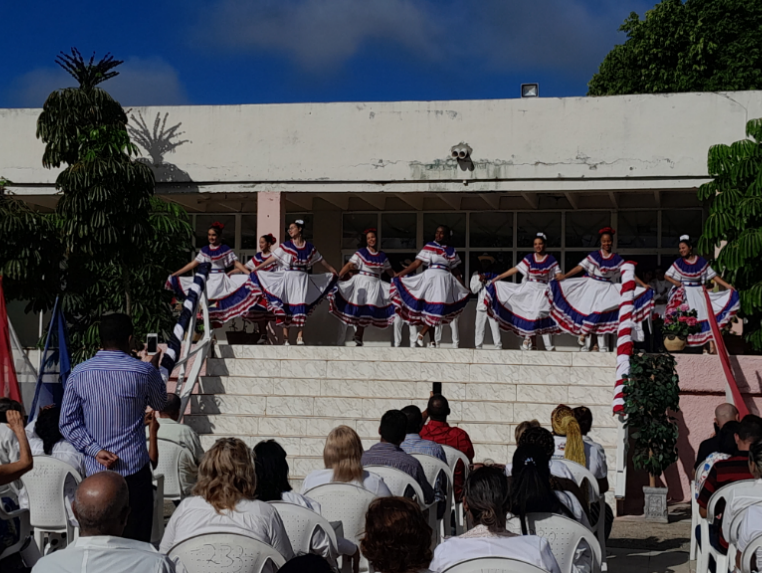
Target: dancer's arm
[[328, 267], [641, 283], [576, 270], [266, 262], [559, 276], [410, 268], [346, 268], [191, 265], [720, 281], [506, 274], [673, 281], [240, 267]]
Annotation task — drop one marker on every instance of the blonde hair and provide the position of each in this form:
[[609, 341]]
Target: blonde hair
[[226, 474], [565, 424], [343, 453], [523, 427]]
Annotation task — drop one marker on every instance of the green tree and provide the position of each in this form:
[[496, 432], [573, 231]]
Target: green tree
[[691, 46], [734, 223]]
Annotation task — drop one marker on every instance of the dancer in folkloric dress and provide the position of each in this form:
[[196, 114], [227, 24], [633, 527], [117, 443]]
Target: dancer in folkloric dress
[[399, 323], [435, 296], [590, 305], [219, 286], [688, 274], [524, 308], [258, 313], [479, 281], [289, 292], [364, 300]]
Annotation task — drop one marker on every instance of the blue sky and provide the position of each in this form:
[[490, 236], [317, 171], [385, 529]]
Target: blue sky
[[271, 51]]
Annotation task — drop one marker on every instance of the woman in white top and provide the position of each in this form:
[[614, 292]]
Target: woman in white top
[[434, 297], [258, 313], [342, 457], [45, 439], [486, 501], [688, 274], [224, 501], [364, 299], [739, 504]]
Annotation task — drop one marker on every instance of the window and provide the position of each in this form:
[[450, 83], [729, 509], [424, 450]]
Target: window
[[398, 231], [400, 260], [203, 222], [677, 223], [491, 230], [582, 227], [456, 222], [249, 238], [637, 230], [503, 261], [529, 224], [353, 226]]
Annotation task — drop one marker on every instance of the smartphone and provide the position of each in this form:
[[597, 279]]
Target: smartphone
[[437, 389], [152, 344]]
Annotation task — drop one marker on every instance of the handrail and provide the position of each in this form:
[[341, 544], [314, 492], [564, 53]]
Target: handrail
[[722, 352]]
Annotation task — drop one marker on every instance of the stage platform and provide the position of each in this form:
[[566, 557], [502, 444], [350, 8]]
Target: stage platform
[[297, 394]]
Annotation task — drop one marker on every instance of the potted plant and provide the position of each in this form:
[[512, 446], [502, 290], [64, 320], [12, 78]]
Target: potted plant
[[678, 324], [651, 394]]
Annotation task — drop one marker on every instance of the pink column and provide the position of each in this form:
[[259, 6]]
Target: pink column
[[271, 214]]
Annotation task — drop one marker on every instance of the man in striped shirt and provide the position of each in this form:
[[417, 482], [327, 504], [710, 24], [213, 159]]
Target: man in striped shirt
[[103, 416]]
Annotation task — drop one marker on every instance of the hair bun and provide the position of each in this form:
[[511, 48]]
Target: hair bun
[[271, 238], [606, 230]]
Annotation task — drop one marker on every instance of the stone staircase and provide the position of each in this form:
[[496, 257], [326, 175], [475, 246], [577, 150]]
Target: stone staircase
[[297, 394]]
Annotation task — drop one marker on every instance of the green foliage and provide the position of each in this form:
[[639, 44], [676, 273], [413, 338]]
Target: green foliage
[[734, 223], [696, 45], [651, 392]]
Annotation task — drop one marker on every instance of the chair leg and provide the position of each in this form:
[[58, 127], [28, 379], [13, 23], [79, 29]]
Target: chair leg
[[39, 539]]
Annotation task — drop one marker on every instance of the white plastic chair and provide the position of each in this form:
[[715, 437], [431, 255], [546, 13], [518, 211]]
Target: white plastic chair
[[171, 455], [453, 457], [695, 517], [727, 493], [494, 565], [564, 536], [433, 468], [225, 553], [581, 473], [748, 553], [157, 527], [47, 502], [301, 524], [346, 503], [399, 482], [25, 529]]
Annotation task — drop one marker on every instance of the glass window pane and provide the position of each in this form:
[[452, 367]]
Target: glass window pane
[[353, 226], [203, 222], [503, 261], [676, 223], [646, 265], [398, 230], [400, 260], [637, 229], [308, 226], [531, 223], [571, 260], [582, 227], [249, 239], [456, 222], [491, 230]]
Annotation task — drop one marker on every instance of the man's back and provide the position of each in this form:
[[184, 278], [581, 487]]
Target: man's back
[[104, 406], [180, 434], [414, 444], [105, 554], [383, 454], [443, 433]]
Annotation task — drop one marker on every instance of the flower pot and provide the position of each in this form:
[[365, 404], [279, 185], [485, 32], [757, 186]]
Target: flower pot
[[655, 508], [674, 343]]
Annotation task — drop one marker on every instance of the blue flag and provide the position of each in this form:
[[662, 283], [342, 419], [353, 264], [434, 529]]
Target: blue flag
[[55, 366]]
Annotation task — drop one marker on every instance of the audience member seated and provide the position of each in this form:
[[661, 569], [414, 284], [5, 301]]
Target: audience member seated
[[415, 444], [532, 492], [726, 448], [532, 434], [723, 414], [585, 420], [46, 440], [10, 472], [439, 431], [735, 468], [397, 538], [342, 457], [387, 452], [172, 430], [9, 444], [309, 563], [101, 506], [486, 502], [272, 485], [570, 446], [224, 501], [742, 503]]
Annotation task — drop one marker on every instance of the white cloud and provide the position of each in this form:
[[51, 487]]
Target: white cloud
[[501, 34], [141, 81]]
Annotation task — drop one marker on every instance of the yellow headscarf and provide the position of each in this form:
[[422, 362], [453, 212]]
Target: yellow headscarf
[[565, 424]]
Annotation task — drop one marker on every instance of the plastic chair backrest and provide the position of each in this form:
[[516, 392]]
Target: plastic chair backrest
[[494, 565], [748, 553], [170, 456], [24, 531], [346, 503], [300, 523], [727, 492], [564, 536], [398, 482], [45, 488], [225, 553], [581, 473], [453, 456]]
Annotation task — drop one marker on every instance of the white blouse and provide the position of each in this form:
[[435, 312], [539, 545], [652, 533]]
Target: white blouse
[[253, 518], [593, 459], [439, 256], [221, 257], [371, 482]]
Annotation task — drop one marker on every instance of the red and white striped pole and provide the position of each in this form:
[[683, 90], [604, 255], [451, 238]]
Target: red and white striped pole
[[624, 334]]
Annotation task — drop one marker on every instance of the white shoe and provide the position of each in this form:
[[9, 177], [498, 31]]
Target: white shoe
[[603, 349], [432, 344], [287, 343], [419, 342], [300, 342], [527, 344], [581, 339], [498, 346], [479, 347], [550, 348], [584, 349]]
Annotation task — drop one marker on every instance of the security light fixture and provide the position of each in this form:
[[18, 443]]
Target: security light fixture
[[462, 154], [530, 90]]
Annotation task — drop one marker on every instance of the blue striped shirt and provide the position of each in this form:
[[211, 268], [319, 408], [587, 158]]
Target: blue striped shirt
[[415, 444], [104, 407]]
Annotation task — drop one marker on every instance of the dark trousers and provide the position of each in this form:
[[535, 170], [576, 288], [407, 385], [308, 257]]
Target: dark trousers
[[140, 522]]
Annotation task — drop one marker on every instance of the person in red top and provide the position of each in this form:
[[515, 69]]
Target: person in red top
[[724, 472], [439, 431]]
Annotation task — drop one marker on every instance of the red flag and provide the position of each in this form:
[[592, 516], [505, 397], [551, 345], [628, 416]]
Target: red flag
[[9, 383]]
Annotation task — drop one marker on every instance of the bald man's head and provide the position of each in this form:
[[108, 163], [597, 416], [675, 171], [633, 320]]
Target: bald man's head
[[101, 504], [725, 413]]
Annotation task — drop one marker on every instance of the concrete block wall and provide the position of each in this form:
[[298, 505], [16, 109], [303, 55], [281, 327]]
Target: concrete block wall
[[297, 394]]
